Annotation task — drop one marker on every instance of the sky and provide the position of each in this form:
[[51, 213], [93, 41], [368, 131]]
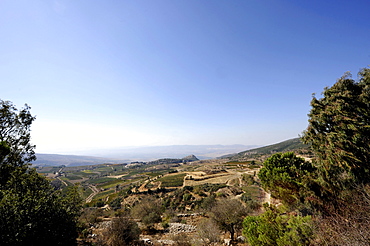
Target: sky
[[110, 74]]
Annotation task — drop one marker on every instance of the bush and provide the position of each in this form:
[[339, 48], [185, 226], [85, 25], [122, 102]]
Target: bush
[[208, 202], [116, 203], [122, 232], [32, 212], [248, 179], [149, 211], [208, 231], [181, 239]]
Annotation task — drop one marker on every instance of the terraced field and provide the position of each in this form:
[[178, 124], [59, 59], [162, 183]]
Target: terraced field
[[104, 182]]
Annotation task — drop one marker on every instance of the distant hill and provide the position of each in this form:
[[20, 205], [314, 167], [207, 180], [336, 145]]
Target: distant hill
[[294, 144], [75, 160], [72, 160], [188, 158], [151, 153]]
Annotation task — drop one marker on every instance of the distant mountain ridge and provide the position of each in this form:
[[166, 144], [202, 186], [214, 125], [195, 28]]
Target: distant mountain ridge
[[166, 154], [150, 153], [145, 154]]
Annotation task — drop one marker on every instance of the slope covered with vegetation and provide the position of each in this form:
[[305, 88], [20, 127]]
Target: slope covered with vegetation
[[294, 145]]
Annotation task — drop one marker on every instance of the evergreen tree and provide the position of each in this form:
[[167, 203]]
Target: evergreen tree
[[339, 132], [284, 176]]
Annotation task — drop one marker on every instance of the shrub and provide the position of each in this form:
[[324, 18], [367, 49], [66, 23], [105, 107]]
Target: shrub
[[208, 231], [149, 211], [122, 232]]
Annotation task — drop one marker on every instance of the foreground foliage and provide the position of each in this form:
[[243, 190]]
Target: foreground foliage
[[276, 228], [334, 191], [32, 212], [339, 132], [283, 175]]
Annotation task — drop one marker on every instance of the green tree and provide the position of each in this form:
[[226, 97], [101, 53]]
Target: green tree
[[339, 131], [32, 212], [15, 139], [283, 174], [229, 215], [273, 228]]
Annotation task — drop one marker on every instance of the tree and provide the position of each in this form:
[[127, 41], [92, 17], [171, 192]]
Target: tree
[[275, 228], [229, 215], [339, 131], [32, 212], [283, 175], [15, 133]]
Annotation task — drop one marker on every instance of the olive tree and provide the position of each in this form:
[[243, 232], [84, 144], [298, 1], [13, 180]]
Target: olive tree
[[229, 215]]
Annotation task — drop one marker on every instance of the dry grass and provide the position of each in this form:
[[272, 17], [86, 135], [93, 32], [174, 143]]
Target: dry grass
[[223, 178]]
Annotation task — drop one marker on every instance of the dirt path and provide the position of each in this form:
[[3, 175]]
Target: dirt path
[[211, 179], [142, 187], [117, 176], [267, 198], [62, 181], [95, 191]]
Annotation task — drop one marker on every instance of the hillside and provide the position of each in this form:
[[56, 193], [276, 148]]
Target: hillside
[[294, 145], [187, 188]]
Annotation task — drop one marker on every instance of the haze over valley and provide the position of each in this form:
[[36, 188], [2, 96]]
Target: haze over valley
[[126, 155]]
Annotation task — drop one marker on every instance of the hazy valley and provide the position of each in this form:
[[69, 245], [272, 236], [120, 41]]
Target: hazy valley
[[127, 155]]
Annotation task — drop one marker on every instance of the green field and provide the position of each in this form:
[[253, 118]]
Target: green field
[[103, 194], [110, 184], [99, 180], [73, 177], [172, 180]]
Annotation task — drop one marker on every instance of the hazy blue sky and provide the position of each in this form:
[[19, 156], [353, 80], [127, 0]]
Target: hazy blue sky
[[101, 74]]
